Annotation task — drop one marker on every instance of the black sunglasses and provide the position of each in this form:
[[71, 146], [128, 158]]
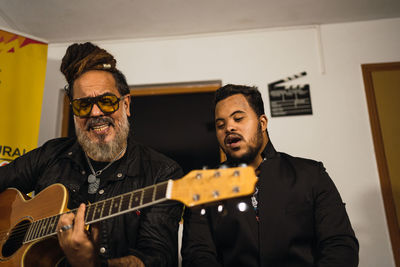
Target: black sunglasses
[[108, 103]]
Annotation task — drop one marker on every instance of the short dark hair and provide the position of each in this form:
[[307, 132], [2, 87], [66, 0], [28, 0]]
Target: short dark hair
[[81, 58], [252, 95]]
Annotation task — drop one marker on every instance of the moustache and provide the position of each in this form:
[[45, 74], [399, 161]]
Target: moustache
[[230, 137], [92, 122]]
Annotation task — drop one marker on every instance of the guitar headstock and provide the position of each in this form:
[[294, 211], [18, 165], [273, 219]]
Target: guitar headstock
[[205, 186]]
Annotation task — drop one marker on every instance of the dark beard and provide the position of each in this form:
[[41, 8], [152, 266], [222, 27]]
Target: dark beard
[[101, 151], [252, 152]]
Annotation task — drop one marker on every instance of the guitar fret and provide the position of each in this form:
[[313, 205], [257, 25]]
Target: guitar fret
[[90, 213], [43, 227], [86, 213], [37, 229], [161, 190], [125, 202], [55, 222], [39, 234], [28, 236], [136, 199], [48, 226], [154, 192], [147, 195], [116, 205], [107, 207], [97, 211]]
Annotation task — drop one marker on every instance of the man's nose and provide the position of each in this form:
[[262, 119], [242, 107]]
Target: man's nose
[[230, 127], [96, 111]]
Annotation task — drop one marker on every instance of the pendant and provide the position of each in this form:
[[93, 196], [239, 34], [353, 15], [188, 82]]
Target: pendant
[[91, 179], [93, 187]]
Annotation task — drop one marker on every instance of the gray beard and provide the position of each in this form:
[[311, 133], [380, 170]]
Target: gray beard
[[102, 151]]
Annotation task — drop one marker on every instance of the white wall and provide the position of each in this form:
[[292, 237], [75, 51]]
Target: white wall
[[3, 23], [338, 133]]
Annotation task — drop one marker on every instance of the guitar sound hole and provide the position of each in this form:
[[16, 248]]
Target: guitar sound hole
[[15, 239]]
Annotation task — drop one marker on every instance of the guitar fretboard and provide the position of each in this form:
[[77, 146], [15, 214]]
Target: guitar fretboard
[[102, 210]]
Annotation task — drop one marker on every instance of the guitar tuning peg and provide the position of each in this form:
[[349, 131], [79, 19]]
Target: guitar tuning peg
[[217, 174], [242, 165], [223, 166], [242, 206], [215, 194], [205, 167], [196, 197]]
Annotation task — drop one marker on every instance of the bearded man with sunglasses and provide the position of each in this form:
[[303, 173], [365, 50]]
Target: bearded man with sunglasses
[[102, 162]]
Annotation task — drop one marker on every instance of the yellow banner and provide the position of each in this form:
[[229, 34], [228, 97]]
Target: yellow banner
[[22, 74]]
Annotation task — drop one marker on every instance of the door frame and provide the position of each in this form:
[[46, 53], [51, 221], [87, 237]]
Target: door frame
[[386, 186]]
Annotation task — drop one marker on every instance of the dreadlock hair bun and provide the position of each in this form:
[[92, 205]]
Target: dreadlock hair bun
[[80, 58]]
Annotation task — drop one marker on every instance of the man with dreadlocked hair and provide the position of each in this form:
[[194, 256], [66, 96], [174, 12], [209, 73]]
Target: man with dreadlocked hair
[[103, 161]]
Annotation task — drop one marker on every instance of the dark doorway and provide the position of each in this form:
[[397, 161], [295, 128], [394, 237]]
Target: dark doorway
[[178, 125]]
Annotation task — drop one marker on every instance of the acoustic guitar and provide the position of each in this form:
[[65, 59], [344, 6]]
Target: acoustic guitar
[[28, 235]]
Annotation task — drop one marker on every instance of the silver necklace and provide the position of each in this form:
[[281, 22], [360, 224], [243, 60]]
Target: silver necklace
[[93, 181], [254, 200]]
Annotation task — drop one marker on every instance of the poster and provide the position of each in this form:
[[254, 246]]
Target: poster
[[22, 75], [289, 100]]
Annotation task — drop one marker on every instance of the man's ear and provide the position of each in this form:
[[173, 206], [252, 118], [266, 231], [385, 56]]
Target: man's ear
[[263, 122], [126, 104]]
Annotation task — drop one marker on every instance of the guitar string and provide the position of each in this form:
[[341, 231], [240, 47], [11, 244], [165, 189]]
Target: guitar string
[[16, 232], [19, 227], [21, 230]]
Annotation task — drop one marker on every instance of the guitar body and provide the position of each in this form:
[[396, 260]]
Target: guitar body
[[17, 211]]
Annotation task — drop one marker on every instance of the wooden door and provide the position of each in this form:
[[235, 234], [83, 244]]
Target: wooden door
[[382, 86]]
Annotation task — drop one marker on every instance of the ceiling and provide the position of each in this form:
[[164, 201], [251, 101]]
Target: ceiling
[[94, 20]]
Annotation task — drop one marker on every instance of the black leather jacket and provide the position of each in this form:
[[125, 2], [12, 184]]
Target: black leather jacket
[[150, 234]]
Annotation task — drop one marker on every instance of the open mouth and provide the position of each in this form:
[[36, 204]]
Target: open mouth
[[100, 128], [233, 140], [99, 125]]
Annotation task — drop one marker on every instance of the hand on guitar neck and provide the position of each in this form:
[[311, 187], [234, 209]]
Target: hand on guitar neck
[[78, 244]]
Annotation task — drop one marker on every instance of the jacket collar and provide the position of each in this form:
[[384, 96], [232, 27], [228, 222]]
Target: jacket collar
[[269, 151], [76, 154]]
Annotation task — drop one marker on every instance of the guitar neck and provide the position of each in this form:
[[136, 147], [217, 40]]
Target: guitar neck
[[105, 209], [196, 188]]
